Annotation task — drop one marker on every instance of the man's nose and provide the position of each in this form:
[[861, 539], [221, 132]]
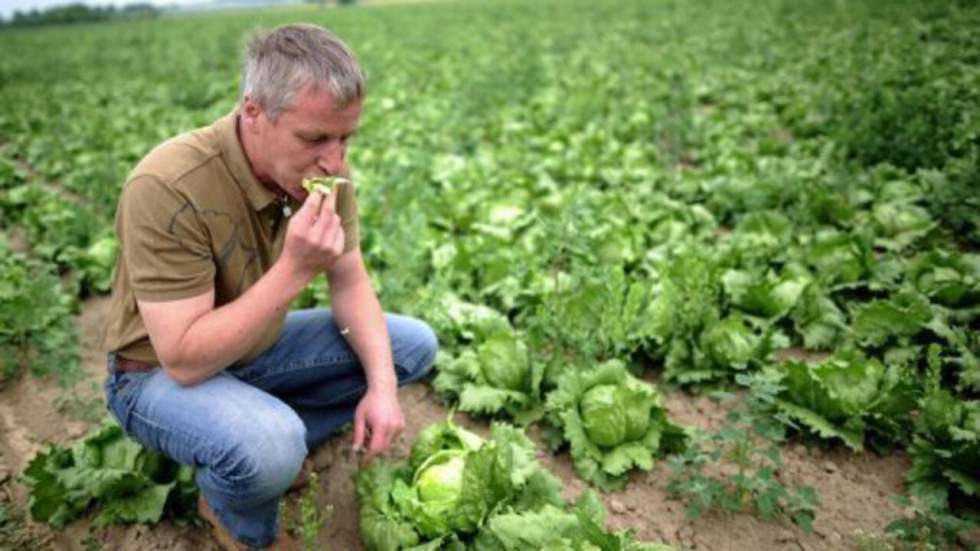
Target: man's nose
[[331, 157]]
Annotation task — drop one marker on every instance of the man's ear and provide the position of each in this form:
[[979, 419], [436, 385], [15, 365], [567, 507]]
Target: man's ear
[[250, 113]]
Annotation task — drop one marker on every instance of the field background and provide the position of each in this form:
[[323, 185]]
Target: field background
[[508, 145]]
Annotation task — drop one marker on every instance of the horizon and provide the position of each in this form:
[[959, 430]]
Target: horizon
[[8, 7]]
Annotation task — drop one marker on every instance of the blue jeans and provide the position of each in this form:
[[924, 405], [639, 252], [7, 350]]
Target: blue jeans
[[248, 429]]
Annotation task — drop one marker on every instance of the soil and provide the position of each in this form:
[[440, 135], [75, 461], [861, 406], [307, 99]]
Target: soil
[[855, 490]]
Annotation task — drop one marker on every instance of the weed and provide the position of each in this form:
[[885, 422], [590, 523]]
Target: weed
[[310, 518], [736, 469]]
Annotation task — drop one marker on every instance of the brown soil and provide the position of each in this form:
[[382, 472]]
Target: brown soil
[[855, 490]]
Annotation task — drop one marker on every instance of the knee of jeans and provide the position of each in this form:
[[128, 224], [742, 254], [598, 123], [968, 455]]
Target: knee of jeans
[[265, 459], [426, 345]]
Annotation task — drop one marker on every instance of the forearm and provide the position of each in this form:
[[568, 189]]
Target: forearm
[[222, 336], [356, 309]]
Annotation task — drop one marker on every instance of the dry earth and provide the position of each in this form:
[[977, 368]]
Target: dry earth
[[855, 490]]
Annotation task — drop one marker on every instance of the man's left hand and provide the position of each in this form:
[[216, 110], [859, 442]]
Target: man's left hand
[[378, 420]]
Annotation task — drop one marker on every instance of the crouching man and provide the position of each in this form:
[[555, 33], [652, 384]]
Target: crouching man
[[206, 363]]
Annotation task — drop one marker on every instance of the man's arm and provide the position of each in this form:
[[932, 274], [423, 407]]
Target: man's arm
[[194, 340], [357, 311]]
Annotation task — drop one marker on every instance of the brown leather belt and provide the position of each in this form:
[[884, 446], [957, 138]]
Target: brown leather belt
[[125, 365]]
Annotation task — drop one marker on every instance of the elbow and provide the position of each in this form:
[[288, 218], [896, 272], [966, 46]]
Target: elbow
[[186, 374], [178, 374], [178, 371]]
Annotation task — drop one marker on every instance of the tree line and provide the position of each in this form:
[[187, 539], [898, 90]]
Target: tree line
[[78, 13]]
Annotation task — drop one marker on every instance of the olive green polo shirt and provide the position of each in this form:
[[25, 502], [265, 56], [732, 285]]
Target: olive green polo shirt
[[193, 217]]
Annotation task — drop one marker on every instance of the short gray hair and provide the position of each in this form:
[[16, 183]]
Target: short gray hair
[[280, 63]]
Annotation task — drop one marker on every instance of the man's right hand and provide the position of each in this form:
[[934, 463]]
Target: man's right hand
[[315, 237]]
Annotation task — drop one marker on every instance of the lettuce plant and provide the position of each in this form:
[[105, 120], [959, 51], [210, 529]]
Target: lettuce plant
[[890, 320], [841, 259], [613, 423], [765, 295], [948, 278], [452, 482], [946, 448], [495, 376], [846, 394], [127, 482], [557, 529]]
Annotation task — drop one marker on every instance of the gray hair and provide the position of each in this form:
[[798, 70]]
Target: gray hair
[[280, 63]]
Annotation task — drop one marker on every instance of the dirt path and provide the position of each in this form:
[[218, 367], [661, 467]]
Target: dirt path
[[855, 490]]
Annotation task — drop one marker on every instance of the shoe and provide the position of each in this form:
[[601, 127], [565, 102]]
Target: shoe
[[221, 535], [227, 542], [303, 478]]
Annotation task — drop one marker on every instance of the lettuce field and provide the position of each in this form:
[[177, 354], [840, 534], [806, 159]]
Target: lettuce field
[[705, 274]]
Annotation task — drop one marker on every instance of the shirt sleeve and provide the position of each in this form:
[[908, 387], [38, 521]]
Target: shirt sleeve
[[165, 246], [347, 209]]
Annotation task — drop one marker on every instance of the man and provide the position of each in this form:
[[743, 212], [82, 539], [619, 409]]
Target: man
[[218, 237]]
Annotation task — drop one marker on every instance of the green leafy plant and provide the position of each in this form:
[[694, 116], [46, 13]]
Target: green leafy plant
[[844, 396], [36, 331], [612, 423], [945, 450], [737, 467], [948, 278], [891, 321], [686, 305], [459, 491], [451, 483], [559, 529], [931, 525], [310, 519], [494, 376], [127, 482]]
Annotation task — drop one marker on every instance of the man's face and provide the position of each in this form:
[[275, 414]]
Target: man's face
[[306, 140]]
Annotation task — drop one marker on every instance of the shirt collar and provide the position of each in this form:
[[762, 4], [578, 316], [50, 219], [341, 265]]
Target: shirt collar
[[231, 148]]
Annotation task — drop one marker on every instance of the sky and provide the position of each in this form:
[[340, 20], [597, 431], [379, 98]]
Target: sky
[[7, 7]]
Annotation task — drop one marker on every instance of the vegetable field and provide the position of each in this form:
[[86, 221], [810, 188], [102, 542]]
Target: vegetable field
[[704, 274]]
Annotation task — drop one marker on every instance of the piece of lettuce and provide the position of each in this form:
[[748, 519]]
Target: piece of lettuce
[[323, 184]]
